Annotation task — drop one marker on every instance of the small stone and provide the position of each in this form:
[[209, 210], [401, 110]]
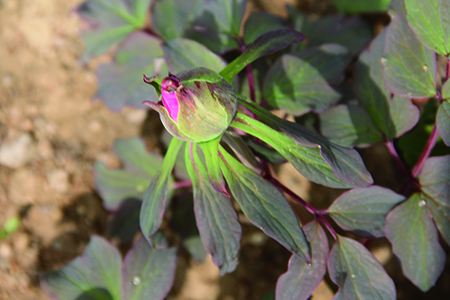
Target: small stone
[[95, 126], [5, 251], [23, 186], [58, 180], [45, 149], [18, 152]]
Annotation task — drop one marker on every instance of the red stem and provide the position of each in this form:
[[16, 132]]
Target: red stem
[[397, 159], [426, 152], [182, 184], [251, 82]]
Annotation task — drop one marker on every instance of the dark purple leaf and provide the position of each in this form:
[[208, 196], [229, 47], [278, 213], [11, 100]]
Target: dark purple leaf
[[415, 241], [155, 197], [264, 206], [171, 17], [301, 279], [140, 167], [358, 273], [409, 67], [363, 210], [216, 218], [264, 45], [435, 182], [148, 273], [109, 22], [260, 23], [303, 81], [182, 54], [124, 223], [120, 82], [443, 121], [93, 275], [349, 125]]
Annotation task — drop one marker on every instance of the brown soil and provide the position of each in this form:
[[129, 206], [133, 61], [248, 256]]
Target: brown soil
[[45, 98]]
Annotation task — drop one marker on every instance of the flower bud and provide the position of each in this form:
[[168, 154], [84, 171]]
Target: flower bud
[[196, 105]]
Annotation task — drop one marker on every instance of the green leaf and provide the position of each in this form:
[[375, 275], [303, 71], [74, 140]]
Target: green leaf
[[430, 22], [260, 23], [140, 167], [217, 42], [148, 273], [302, 279], [227, 15], [446, 89], [264, 206], [353, 33], [358, 6], [304, 81], [120, 82], [109, 22], [216, 219], [10, 226], [211, 153], [94, 275], [155, 198], [266, 153], [241, 149], [409, 67], [312, 155], [392, 116], [435, 182], [358, 273], [443, 121], [171, 17], [349, 125], [363, 211], [182, 54], [415, 241], [264, 45], [124, 222]]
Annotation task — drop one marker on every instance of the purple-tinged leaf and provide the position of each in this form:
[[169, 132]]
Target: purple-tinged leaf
[[241, 149], [148, 273], [260, 23], [124, 223], [266, 44], [120, 82], [353, 33], [443, 121], [109, 22], [302, 279], [446, 89], [312, 155], [264, 206], [182, 54], [93, 275], [435, 182], [358, 6], [140, 167], [430, 21], [349, 125], [211, 154], [394, 116], [155, 197], [363, 211], [358, 273], [303, 81], [415, 241], [217, 42], [409, 67], [216, 219], [171, 17]]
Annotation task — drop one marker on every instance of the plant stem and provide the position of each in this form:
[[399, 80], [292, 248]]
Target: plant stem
[[397, 159], [182, 184], [426, 152]]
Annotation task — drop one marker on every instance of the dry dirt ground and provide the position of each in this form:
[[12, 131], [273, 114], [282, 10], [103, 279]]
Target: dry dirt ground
[[53, 133]]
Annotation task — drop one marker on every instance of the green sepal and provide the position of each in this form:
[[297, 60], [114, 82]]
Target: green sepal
[[155, 198]]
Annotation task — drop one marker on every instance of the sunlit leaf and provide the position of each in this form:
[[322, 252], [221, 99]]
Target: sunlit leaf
[[148, 273], [211, 154], [301, 279], [358, 6], [140, 166], [216, 218], [435, 182], [120, 82], [430, 22], [155, 197], [409, 67], [94, 275], [303, 81], [415, 241], [264, 206], [109, 22], [182, 54], [358, 273], [171, 17], [363, 210]]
